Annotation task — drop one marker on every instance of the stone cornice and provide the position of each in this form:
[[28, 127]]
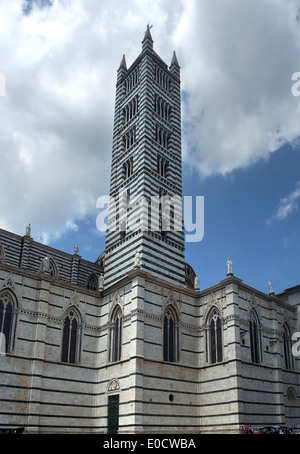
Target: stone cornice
[[44, 277]]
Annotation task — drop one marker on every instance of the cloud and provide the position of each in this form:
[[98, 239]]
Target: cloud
[[286, 205], [237, 60], [60, 66]]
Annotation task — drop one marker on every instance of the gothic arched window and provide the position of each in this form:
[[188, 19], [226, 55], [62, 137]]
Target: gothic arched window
[[53, 268], [170, 336], [215, 337], [288, 362], [92, 282], [8, 319], [71, 338], [254, 338], [1, 254], [116, 335]]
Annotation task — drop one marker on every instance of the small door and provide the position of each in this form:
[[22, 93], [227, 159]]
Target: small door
[[113, 414]]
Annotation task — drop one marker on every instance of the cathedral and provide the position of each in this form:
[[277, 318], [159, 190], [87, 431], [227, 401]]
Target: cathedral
[[129, 343]]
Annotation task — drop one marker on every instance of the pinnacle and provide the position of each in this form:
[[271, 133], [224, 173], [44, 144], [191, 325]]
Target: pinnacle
[[123, 63], [148, 33], [174, 59]]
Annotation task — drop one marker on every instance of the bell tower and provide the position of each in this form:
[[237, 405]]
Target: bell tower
[[145, 227]]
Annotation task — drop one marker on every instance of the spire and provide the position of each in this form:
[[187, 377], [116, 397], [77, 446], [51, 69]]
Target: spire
[[123, 63], [122, 71], [174, 60], [175, 68], [147, 41]]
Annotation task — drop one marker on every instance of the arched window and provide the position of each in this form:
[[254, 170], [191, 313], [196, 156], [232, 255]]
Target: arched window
[[1, 254], [254, 338], [71, 338], [52, 268], [116, 335], [48, 266], [92, 282], [287, 347], [8, 319], [215, 347], [170, 336]]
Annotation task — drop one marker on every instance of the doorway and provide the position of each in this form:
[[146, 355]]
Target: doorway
[[113, 414]]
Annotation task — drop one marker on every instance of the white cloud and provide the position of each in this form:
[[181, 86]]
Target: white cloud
[[60, 66], [237, 60], [287, 205]]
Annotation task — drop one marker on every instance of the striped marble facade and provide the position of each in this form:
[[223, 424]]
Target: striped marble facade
[[146, 162], [144, 351]]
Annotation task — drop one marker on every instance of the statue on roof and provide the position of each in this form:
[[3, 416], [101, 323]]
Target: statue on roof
[[28, 230], [229, 267]]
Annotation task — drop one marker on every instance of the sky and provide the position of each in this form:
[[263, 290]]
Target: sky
[[240, 123]]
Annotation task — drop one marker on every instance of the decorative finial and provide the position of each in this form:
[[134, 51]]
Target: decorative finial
[[147, 40]]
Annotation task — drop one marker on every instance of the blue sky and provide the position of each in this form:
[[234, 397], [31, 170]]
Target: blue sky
[[239, 224], [241, 127]]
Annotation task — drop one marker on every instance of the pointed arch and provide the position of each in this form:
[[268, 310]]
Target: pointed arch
[[92, 282], [214, 336], [8, 318], [212, 305], [113, 385], [49, 267], [170, 334], [71, 336], [53, 270], [2, 254], [287, 346], [115, 333], [255, 341]]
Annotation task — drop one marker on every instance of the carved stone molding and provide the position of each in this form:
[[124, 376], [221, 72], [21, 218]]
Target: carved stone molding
[[113, 386]]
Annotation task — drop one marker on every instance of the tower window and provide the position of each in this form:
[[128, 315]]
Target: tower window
[[162, 78], [162, 137], [162, 165], [162, 108], [128, 168], [132, 80], [131, 109], [129, 138]]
